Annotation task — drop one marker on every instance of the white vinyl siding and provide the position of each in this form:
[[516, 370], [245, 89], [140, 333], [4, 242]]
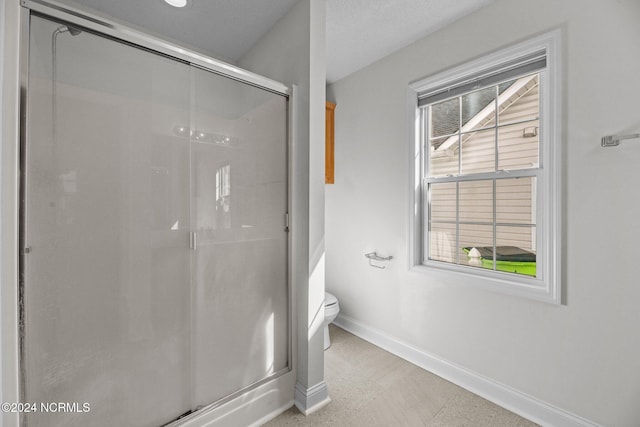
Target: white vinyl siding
[[478, 152]]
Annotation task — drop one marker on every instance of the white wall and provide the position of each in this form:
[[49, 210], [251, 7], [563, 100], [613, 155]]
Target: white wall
[[293, 52], [582, 357]]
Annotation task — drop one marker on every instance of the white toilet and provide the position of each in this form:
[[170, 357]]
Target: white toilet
[[331, 310]]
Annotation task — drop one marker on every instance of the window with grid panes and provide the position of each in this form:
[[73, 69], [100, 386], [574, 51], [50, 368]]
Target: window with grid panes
[[488, 176]]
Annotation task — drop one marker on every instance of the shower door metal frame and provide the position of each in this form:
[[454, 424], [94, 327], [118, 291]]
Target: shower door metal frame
[[122, 34], [105, 27]]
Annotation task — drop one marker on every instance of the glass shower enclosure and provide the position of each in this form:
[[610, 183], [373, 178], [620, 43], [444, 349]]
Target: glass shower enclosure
[[155, 267]]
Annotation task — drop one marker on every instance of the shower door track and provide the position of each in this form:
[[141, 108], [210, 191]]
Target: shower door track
[[121, 33], [124, 34], [197, 412]]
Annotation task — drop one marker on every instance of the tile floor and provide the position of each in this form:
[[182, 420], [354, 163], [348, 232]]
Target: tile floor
[[371, 387]]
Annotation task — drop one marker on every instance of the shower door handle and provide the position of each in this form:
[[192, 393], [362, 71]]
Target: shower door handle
[[193, 240]]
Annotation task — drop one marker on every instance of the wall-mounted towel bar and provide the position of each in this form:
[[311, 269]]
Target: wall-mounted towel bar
[[375, 257], [614, 140]]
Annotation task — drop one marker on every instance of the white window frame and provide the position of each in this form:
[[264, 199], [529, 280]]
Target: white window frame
[[546, 286]]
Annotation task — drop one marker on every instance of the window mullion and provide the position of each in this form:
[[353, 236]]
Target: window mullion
[[457, 247], [494, 181], [425, 117], [495, 228]]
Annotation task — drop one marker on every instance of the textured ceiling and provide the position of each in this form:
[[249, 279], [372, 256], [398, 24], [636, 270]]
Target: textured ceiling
[[359, 32]]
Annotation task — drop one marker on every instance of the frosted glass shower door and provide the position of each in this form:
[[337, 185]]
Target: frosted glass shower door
[[106, 291], [239, 196], [155, 266]]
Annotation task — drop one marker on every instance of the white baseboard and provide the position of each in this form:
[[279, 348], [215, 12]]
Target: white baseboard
[[309, 400], [509, 398]]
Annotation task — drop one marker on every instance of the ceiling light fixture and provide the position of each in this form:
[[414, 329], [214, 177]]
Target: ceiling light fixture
[[177, 3]]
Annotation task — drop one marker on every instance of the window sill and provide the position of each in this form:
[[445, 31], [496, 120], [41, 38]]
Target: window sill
[[489, 280]]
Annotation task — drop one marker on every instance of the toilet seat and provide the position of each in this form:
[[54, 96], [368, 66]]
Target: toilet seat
[[331, 310]]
